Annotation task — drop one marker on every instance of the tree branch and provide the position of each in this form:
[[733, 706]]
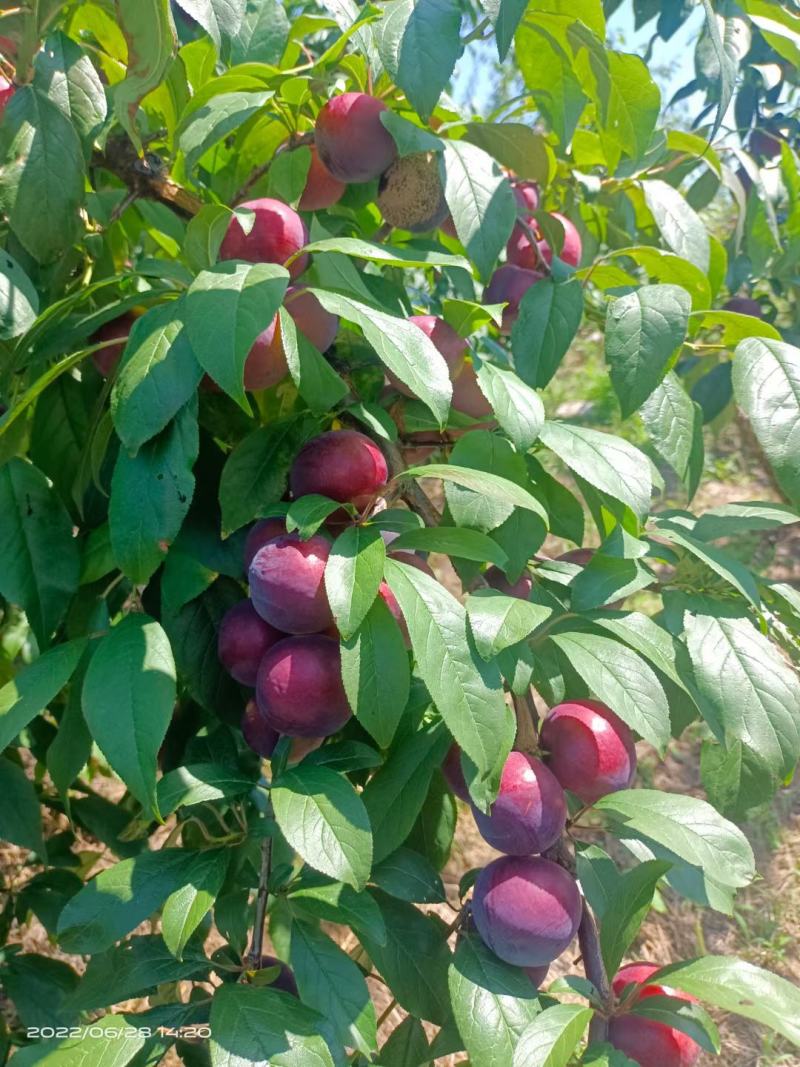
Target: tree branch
[[145, 176], [416, 497], [262, 898]]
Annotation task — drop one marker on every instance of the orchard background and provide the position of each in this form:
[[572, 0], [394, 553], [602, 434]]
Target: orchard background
[[399, 602]]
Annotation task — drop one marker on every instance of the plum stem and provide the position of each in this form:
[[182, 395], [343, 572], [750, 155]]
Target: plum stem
[[416, 497], [262, 899]]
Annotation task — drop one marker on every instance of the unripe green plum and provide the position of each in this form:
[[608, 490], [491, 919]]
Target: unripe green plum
[[527, 909], [530, 811], [299, 687], [287, 583], [589, 749], [352, 142], [277, 234]]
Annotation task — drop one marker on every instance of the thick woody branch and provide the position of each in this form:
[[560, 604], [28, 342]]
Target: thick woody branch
[[145, 176]]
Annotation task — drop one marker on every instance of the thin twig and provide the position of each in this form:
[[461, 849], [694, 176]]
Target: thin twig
[[257, 945], [416, 498]]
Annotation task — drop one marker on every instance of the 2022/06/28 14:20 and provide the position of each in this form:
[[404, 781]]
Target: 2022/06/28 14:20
[[60, 1032]]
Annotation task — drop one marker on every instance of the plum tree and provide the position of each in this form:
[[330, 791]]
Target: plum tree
[[351, 140], [344, 465], [527, 909], [530, 811], [243, 639], [646, 1041], [508, 285], [299, 687], [287, 584], [115, 331], [276, 235], [321, 190], [589, 749], [257, 536]]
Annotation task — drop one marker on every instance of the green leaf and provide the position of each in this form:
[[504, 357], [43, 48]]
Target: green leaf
[[739, 987], [122, 896], [750, 694], [325, 821], [721, 562], [71, 748], [150, 496], [550, 1040], [352, 576], [98, 1045], [199, 783], [262, 35], [38, 987], [407, 1045], [65, 74], [492, 1002], [627, 910], [513, 144], [466, 691], [19, 301], [419, 44], [680, 226], [316, 380], [548, 71], [128, 699], [32, 689], [150, 36], [309, 512], [489, 453], [627, 101], [607, 462], [452, 541], [407, 875], [675, 425], [330, 983], [320, 898], [726, 62], [131, 970], [204, 235], [256, 473], [606, 1056], [42, 187], [402, 346], [498, 621], [730, 520], [643, 332], [688, 827], [20, 817], [622, 679], [256, 1024], [681, 1014], [376, 674], [220, 116], [40, 556], [409, 137], [734, 779], [395, 794], [492, 486], [387, 255], [766, 383], [219, 18], [414, 959], [518, 408], [186, 908], [225, 308], [480, 201], [158, 375]]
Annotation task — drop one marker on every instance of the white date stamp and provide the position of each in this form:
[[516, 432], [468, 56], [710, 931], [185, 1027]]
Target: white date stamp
[[46, 1033]]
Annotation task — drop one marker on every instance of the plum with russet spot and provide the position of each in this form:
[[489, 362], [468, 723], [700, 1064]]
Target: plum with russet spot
[[530, 811], [287, 583], [527, 909], [242, 641], [589, 749], [299, 687]]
